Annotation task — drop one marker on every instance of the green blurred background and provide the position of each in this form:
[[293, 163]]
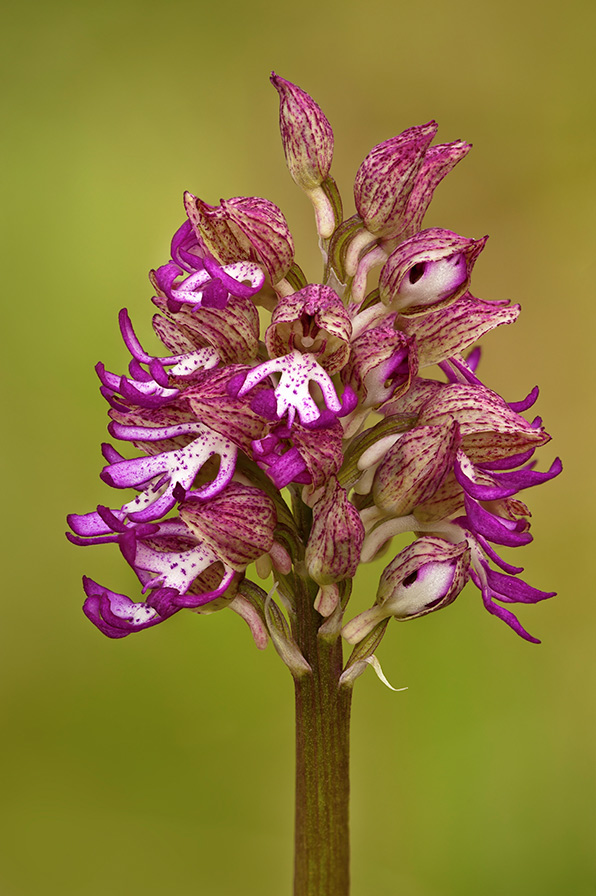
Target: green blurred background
[[164, 763]]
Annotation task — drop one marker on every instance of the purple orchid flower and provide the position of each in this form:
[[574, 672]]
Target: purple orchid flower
[[234, 396]]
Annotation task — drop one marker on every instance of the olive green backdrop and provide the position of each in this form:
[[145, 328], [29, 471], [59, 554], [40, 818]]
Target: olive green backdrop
[[163, 764]]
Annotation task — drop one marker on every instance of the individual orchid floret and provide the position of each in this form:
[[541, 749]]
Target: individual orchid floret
[[312, 320], [238, 524], [305, 133], [490, 432], [245, 228], [432, 268], [307, 140], [209, 284], [292, 392], [426, 576], [163, 555], [386, 178], [213, 286], [160, 474], [414, 468], [489, 428], [382, 362], [334, 544], [152, 388]]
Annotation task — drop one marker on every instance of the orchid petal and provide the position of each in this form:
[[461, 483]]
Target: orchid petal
[[292, 392]]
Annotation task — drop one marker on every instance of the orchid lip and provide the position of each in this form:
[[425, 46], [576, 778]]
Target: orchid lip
[[242, 279], [292, 391], [182, 365], [160, 475]]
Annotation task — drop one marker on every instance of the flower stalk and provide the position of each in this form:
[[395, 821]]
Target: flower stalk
[[322, 842]]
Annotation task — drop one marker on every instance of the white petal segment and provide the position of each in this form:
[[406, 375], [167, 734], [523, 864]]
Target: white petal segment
[[174, 569], [163, 471], [292, 392], [243, 272]]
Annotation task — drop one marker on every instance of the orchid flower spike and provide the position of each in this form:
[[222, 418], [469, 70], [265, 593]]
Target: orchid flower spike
[[291, 425]]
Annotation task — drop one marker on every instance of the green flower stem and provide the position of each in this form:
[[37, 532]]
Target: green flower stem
[[322, 844]]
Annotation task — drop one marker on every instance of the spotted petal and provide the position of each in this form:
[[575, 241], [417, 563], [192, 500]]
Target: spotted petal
[[292, 391]]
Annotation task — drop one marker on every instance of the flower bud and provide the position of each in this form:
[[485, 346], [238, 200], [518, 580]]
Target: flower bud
[[432, 268], [386, 177], [313, 320], [244, 228], [336, 536], [438, 161], [238, 523], [321, 451], [305, 133], [414, 467]]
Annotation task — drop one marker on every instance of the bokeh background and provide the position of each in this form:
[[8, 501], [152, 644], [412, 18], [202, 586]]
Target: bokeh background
[[164, 763]]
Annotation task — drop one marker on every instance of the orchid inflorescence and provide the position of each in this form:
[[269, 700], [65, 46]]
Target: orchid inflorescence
[[307, 448]]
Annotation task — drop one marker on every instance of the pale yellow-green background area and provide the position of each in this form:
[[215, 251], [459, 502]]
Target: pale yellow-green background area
[[163, 764]]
